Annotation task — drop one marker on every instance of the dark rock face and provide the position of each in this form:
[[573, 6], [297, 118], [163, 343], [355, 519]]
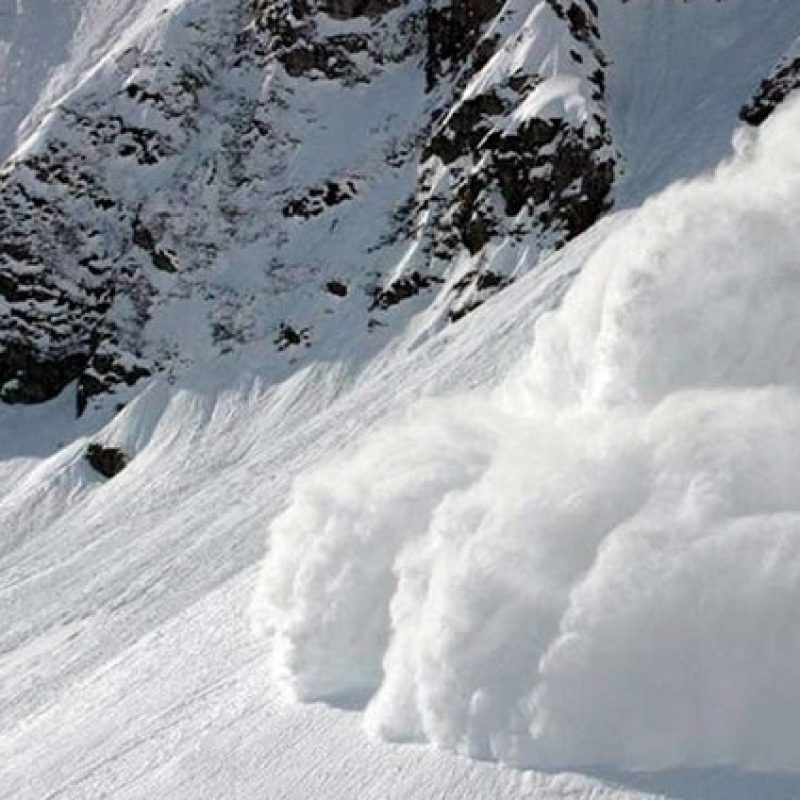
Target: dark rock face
[[102, 374], [474, 289], [784, 80], [28, 379], [318, 199], [337, 288], [547, 167], [288, 336], [143, 238], [54, 273], [288, 31], [108, 461], [402, 289], [347, 9], [454, 32]]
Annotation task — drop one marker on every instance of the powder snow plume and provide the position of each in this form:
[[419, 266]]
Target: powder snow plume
[[597, 561]]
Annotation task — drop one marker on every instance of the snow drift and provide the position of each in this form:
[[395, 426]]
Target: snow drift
[[598, 561]]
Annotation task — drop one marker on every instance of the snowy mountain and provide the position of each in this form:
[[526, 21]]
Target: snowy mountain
[[173, 204], [430, 363]]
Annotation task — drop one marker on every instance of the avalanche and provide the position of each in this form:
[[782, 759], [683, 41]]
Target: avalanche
[[377, 275], [598, 561]]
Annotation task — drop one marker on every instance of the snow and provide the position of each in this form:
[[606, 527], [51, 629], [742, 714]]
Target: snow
[[606, 540], [129, 666], [48, 48], [674, 107], [540, 45], [631, 446]]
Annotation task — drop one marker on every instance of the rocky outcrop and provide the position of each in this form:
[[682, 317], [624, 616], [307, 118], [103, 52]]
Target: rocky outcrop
[[509, 158], [289, 31], [318, 199], [347, 9], [55, 282], [108, 461], [783, 81], [72, 261], [455, 33]]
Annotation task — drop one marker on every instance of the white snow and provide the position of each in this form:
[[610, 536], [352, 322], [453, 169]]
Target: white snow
[[608, 540], [49, 48], [555, 534], [540, 45]]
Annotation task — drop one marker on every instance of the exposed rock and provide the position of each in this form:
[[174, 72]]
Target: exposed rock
[[346, 9], [507, 173], [773, 90], [288, 32], [108, 461], [454, 30], [288, 336], [320, 198], [143, 238], [72, 229], [473, 290], [26, 378], [402, 289], [337, 288], [104, 372]]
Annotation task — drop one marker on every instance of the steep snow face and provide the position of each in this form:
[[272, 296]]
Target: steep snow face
[[679, 76], [71, 289], [170, 204], [609, 539], [46, 49]]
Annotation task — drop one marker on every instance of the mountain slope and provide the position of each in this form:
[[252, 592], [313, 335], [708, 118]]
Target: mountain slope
[[283, 226], [179, 185], [608, 538]]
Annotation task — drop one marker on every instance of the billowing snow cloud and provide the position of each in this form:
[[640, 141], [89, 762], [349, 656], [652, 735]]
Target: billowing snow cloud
[[599, 561]]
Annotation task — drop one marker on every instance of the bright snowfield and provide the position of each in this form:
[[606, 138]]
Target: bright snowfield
[[560, 536], [609, 540]]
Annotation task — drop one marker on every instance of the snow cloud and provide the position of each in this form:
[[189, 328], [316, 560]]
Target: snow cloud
[[598, 561]]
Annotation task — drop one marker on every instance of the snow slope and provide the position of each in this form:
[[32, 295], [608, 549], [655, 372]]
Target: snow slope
[[610, 538], [49, 48], [111, 590], [678, 78], [642, 415]]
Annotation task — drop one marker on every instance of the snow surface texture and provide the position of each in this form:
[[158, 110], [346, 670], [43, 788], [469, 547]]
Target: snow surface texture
[[127, 667], [599, 560]]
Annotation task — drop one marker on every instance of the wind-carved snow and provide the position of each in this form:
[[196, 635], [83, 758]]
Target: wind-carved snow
[[599, 560]]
